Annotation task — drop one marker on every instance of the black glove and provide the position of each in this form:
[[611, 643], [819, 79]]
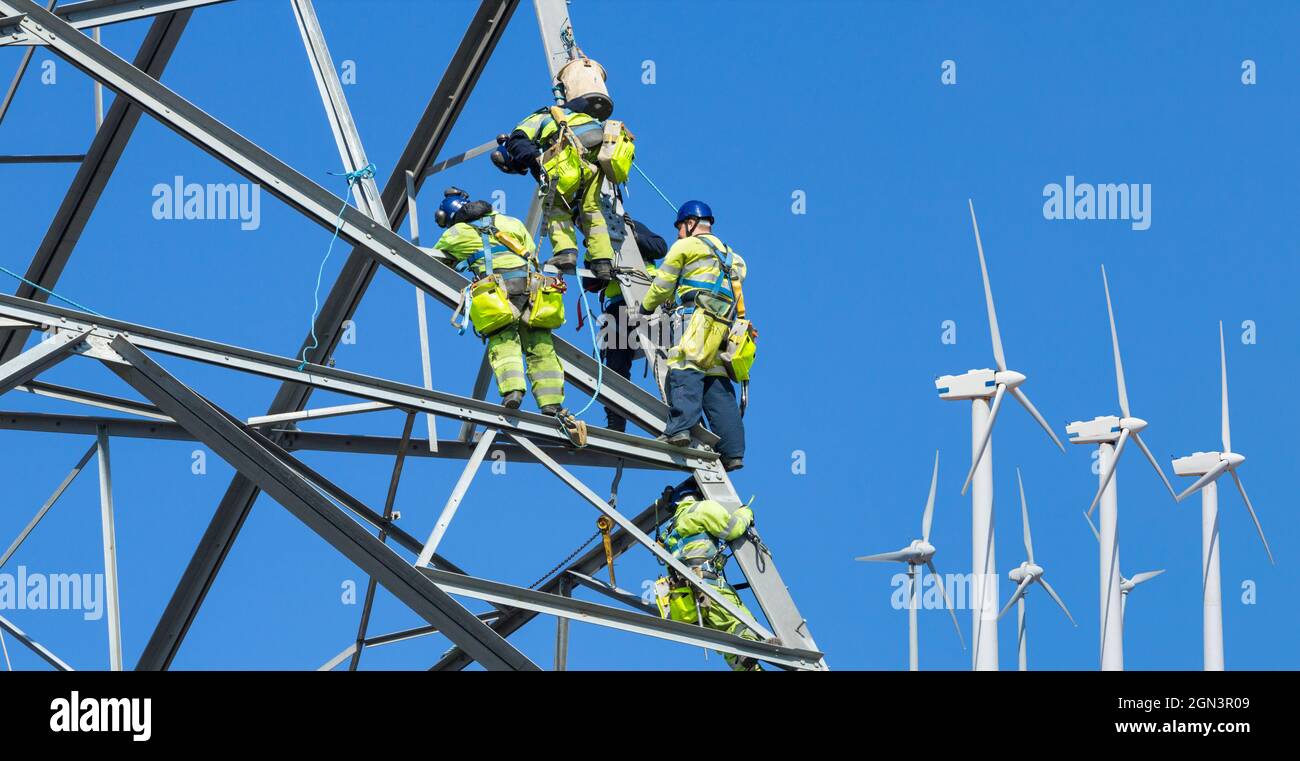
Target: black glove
[[645, 312]]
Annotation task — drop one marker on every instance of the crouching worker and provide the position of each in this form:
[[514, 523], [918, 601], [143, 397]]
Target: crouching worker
[[510, 302], [696, 535]]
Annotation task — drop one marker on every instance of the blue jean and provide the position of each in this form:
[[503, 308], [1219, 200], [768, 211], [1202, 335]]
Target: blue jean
[[691, 394]]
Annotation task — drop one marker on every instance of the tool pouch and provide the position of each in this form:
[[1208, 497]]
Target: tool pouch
[[489, 308], [708, 326], [617, 149], [737, 355], [545, 302]]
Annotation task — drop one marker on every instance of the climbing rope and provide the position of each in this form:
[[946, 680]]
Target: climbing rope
[[364, 173], [646, 177], [48, 292], [595, 352]]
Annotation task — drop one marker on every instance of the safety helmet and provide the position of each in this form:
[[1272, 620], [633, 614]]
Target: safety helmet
[[693, 210], [688, 489], [452, 199]]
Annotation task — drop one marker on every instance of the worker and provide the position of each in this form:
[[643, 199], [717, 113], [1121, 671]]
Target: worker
[[699, 267], [698, 531], [617, 349], [558, 145], [510, 255]]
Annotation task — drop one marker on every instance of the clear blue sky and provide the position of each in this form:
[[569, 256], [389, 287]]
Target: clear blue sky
[[752, 102]]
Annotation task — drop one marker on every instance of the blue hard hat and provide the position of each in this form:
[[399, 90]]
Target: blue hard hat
[[688, 489], [453, 199], [696, 209]]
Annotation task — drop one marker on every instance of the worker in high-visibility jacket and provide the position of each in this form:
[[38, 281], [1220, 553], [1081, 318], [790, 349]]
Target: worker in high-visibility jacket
[[465, 223], [699, 263], [571, 182], [694, 536], [617, 350]]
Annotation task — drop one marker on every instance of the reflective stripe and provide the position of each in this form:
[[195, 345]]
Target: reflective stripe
[[506, 375], [661, 282], [548, 375], [668, 270], [731, 525]]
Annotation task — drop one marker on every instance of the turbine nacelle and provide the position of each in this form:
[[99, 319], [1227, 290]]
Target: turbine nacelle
[[921, 552], [1198, 463], [1025, 570], [972, 384]]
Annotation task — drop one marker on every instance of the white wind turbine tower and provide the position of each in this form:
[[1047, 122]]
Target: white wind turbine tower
[[1209, 466], [919, 553], [1110, 434], [1126, 584], [979, 386], [1028, 572]]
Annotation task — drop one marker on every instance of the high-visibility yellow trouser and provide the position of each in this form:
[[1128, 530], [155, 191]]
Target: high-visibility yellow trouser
[[715, 617], [506, 351], [586, 198]]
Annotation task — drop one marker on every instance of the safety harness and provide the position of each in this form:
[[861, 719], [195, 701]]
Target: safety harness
[[716, 287]]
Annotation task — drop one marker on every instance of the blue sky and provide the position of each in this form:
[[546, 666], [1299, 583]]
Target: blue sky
[[751, 103]]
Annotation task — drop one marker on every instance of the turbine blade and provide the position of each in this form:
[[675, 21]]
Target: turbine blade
[[944, 591], [988, 431], [1093, 526], [1223, 368], [1137, 438], [1020, 592], [1145, 576], [1028, 405], [1024, 516], [1057, 597], [1110, 471], [929, 502], [988, 294], [1114, 340], [886, 557], [1253, 516], [1203, 480]]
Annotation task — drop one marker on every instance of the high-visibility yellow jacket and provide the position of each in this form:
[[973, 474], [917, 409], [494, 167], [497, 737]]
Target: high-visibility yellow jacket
[[541, 128], [698, 524], [692, 266], [464, 241]]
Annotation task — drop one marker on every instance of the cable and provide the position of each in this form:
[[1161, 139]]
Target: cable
[[639, 171], [600, 366], [364, 173], [45, 290]]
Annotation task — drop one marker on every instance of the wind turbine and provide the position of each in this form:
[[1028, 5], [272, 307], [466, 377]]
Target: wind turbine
[[1209, 466], [1110, 434], [979, 386], [1028, 572], [919, 553], [1126, 584]]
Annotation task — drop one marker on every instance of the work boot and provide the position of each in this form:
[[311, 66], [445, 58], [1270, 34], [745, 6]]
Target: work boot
[[733, 463], [679, 439], [512, 399], [565, 261], [551, 409]]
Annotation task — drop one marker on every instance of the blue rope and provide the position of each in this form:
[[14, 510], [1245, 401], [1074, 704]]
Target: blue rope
[[364, 173], [671, 205], [600, 366], [47, 291]]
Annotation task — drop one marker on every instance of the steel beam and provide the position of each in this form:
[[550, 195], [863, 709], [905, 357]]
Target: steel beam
[[614, 593], [97, 13], [457, 494], [38, 359], [49, 503], [533, 425], [113, 611], [657, 549], [507, 596], [237, 445], [589, 563], [33, 645], [101, 159], [91, 398], [302, 441]]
